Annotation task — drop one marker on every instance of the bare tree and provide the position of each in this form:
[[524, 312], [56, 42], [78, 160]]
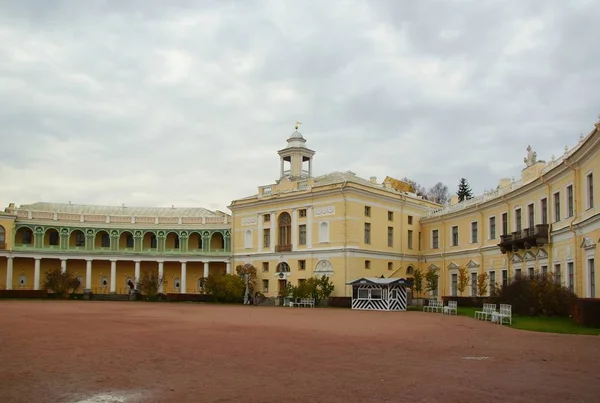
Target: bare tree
[[439, 193]]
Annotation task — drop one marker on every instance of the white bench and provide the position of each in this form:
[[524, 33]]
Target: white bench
[[452, 307], [434, 305], [488, 311], [305, 302], [504, 313]]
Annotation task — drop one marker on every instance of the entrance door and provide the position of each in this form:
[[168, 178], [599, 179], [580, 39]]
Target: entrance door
[[282, 285]]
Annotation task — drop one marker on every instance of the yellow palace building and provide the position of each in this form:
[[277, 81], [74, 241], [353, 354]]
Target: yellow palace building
[[338, 224]]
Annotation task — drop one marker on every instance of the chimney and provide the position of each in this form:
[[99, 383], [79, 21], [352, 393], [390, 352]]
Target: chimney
[[373, 180]]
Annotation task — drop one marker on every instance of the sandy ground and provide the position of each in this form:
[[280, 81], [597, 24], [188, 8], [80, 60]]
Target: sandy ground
[[85, 351]]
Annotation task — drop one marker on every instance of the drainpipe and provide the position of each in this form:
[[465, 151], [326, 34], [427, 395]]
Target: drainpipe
[[571, 228], [508, 253]]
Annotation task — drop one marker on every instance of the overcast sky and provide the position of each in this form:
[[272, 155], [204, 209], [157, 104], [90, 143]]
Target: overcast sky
[[185, 103]]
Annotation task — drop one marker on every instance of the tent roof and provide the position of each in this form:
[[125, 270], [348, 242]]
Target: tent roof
[[378, 281]]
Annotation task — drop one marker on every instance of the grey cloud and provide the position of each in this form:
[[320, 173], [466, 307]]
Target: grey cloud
[[187, 102]]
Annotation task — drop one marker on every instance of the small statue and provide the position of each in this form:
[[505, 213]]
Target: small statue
[[531, 157]]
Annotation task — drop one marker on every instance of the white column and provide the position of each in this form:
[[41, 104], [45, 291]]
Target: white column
[[137, 273], [182, 284], [281, 170], [36, 273], [205, 269], [9, 273], [63, 265], [273, 234], [228, 267], [113, 276], [161, 269], [294, 229], [88, 274], [310, 167], [309, 217]]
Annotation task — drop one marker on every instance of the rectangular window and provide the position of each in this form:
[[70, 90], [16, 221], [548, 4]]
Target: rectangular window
[[266, 237], [26, 237], [390, 216], [570, 209], [266, 217], [518, 220], [54, 239], [557, 274], [544, 205], [571, 277], [390, 266], [80, 240], [367, 264], [504, 223], [474, 284], [454, 284], [390, 235], [530, 272], [410, 220], [492, 281], [265, 285], [301, 264], [455, 236], [492, 227], [517, 273], [557, 207], [435, 240], [302, 234], [367, 233], [410, 239], [302, 212], [265, 267], [504, 278], [105, 241], [545, 270], [367, 211], [592, 277], [474, 234], [531, 216], [590, 190], [419, 240]]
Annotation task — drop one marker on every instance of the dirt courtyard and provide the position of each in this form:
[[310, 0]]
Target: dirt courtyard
[[86, 351]]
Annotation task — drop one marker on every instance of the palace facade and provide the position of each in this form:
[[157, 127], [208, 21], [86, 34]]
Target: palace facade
[[338, 224], [108, 246]]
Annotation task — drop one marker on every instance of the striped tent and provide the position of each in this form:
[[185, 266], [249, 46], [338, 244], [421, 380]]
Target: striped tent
[[379, 294]]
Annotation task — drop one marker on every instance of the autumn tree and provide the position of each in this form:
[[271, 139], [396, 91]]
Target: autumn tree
[[482, 284], [438, 193], [225, 287], [150, 283], [250, 270], [61, 283], [464, 190], [463, 280], [418, 281], [431, 280]]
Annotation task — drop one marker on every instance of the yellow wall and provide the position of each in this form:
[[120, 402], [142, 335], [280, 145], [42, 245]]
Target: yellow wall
[[7, 224]]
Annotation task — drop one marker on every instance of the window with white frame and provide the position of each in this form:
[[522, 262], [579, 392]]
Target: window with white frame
[[571, 276], [492, 276], [530, 216], [557, 207], [544, 210], [570, 206], [518, 220], [590, 190], [410, 239], [265, 285], [302, 234], [455, 236], [454, 284], [435, 239], [474, 284], [493, 227], [557, 274], [504, 223], [591, 278], [474, 232]]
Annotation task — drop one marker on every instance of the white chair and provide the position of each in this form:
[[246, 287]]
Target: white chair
[[452, 307], [488, 310], [505, 313]]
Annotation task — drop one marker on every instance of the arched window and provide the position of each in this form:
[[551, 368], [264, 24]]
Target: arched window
[[2, 237], [285, 229]]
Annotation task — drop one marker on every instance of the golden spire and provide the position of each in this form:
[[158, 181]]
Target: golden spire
[[297, 124]]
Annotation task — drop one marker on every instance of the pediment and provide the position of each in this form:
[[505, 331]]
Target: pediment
[[529, 256], [588, 243], [453, 266], [472, 264], [516, 258], [542, 254], [433, 267]]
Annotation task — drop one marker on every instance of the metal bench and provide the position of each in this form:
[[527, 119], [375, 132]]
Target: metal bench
[[452, 307], [434, 305], [304, 302], [488, 310]]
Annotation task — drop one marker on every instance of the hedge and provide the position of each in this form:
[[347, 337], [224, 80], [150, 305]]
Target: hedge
[[340, 302], [23, 294], [189, 297], [586, 312], [473, 302]]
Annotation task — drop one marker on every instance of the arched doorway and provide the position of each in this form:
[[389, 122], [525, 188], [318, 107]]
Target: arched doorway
[[282, 271]]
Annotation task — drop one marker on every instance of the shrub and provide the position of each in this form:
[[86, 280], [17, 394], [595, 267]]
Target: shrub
[[225, 287], [431, 280], [340, 302], [586, 312], [319, 288], [537, 295], [61, 283], [149, 284], [473, 302]]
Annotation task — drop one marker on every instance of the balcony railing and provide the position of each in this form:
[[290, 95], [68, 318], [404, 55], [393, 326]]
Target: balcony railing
[[283, 248], [525, 239], [104, 250]]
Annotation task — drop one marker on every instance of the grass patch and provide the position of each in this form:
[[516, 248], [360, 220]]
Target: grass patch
[[540, 324]]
